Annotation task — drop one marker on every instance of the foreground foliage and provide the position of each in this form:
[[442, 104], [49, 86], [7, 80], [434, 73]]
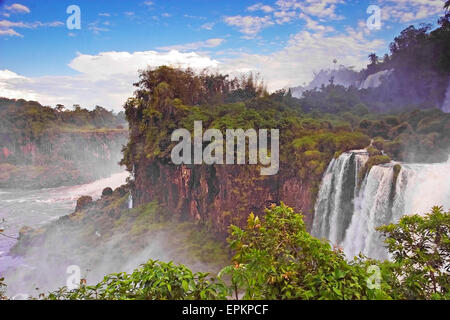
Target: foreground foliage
[[276, 258], [2, 289], [152, 281], [420, 249]]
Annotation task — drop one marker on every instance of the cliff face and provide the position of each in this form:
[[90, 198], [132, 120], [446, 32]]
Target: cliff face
[[60, 158], [219, 195]]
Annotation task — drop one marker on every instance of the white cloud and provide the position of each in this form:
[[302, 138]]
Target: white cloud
[[6, 26], [106, 64], [406, 11], [249, 25], [283, 16], [12, 86], [285, 11], [306, 53], [29, 25], [316, 8], [10, 32], [104, 79], [96, 28], [208, 26], [194, 17], [314, 25], [261, 7], [149, 3], [210, 43], [17, 8], [104, 14]]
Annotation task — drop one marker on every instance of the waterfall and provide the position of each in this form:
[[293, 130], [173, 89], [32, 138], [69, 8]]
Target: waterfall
[[371, 209], [334, 205], [375, 80], [347, 213], [130, 201], [446, 104]]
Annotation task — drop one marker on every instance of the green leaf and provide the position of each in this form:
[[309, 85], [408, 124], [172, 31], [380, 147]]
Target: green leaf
[[185, 285]]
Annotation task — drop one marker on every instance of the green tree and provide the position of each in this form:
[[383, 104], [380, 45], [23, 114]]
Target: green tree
[[276, 258], [420, 249]]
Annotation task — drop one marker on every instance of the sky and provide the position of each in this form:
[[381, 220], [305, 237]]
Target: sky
[[43, 58]]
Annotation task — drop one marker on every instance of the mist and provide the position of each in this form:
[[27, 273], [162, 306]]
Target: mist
[[45, 266]]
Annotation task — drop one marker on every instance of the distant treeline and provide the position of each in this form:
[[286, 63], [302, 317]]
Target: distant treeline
[[31, 119]]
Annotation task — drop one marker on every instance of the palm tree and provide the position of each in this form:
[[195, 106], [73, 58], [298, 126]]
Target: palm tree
[[445, 20]]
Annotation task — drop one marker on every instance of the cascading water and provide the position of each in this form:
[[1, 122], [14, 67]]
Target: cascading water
[[347, 213], [376, 79], [334, 207], [372, 208], [130, 196], [130, 201]]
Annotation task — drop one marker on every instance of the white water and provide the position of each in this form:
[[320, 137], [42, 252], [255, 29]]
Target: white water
[[35, 208], [130, 201], [377, 201], [337, 190], [375, 80]]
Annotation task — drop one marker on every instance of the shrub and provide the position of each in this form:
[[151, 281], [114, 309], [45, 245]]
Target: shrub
[[2, 289], [277, 259], [153, 280], [420, 248]]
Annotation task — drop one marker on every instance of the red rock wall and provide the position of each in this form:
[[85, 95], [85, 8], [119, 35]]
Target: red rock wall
[[219, 195]]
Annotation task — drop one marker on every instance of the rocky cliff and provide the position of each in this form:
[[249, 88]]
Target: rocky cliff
[[219, 195]]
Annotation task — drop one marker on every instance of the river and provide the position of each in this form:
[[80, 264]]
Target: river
[[34, 208]]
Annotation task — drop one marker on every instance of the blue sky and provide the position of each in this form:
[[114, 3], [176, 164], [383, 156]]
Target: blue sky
[[284, 40]]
